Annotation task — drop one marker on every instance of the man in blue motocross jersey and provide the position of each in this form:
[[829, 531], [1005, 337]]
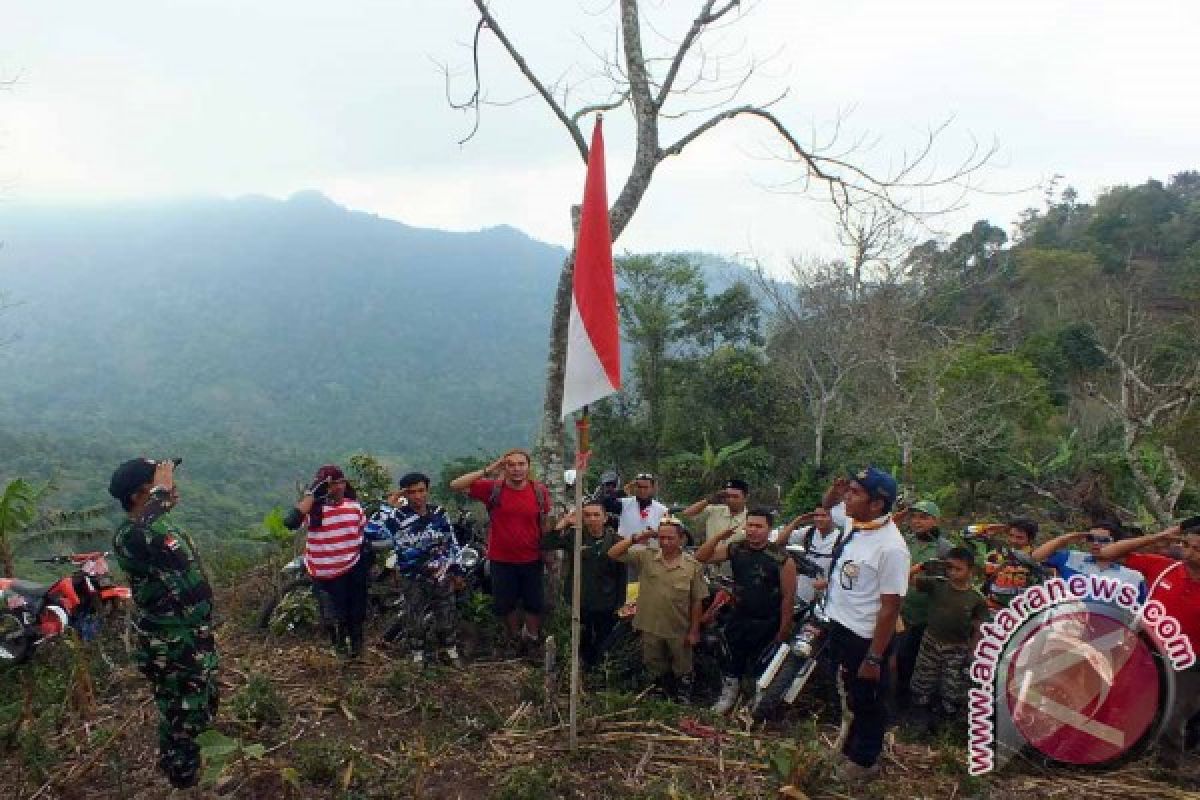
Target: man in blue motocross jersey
[[422, 536]]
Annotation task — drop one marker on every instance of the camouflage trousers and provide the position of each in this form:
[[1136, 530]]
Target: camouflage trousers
[[941, 670], [427, 602], [181, 664]]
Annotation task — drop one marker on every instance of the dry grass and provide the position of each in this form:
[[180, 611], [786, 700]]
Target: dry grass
[[379, 729]]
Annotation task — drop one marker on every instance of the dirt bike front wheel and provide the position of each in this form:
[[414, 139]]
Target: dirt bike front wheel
[[15, 644], [766, 702]]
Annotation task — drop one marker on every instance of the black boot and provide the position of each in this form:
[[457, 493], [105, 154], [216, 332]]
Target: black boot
[[337, 635], [356, 641]]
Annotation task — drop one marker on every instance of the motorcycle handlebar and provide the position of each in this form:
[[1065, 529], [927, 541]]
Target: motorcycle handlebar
[[77, 558]]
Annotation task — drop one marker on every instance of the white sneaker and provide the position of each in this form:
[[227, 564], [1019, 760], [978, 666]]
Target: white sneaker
[[418, 658], [729, 696]]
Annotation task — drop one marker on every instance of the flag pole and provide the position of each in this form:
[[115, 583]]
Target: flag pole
[[581, 459]]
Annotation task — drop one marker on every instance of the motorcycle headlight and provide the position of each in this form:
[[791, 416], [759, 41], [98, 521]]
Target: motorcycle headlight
[[802, 648], [468, 557]]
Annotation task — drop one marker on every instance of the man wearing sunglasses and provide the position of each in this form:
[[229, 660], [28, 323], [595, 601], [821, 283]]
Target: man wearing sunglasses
[[1057, 553]]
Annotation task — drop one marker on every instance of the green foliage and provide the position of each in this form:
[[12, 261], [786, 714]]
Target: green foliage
[[220, 752], [528, 783], [273, 532], [297, 612], [441, 491], [25, 523], [259, 702], [703, 471], [370, 479], [35, 752], [806, 493], [318, 760]]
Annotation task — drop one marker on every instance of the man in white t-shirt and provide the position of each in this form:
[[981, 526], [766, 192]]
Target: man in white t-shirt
[[866, 587], [817, 534]]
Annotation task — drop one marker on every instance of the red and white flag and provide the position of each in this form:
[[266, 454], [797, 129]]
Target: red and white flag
[[593, 342]]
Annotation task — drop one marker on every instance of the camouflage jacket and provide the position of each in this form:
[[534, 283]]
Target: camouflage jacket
[[169, 586], [756, 576]]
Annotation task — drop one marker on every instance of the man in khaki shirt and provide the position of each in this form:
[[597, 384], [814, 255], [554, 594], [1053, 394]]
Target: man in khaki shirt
[[671, 592], [725, 511]]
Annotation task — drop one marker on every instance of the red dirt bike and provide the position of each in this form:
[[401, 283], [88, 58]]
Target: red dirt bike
[[34, 613]]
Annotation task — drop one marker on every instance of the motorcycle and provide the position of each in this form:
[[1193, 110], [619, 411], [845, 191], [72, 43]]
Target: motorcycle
[[32, 614], [791, 664], [456, 567], [299, 605]]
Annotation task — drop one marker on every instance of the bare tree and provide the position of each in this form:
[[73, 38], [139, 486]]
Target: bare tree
[[815, 339], [873, 234], [1152, 387], [690, 88]]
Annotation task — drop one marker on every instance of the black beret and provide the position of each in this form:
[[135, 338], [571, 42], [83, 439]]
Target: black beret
[[129, 477]]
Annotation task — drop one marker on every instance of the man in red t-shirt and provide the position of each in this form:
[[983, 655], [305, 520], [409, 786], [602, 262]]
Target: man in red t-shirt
[[518, 510], [1175, 584]]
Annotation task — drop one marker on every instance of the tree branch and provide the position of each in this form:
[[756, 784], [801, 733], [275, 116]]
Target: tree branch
[[487, 20], [706, 17]]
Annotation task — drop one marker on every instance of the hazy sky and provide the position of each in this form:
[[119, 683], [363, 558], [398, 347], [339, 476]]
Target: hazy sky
[[144, 98]]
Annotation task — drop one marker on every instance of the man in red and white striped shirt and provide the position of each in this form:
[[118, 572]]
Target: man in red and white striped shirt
[[333, 523]]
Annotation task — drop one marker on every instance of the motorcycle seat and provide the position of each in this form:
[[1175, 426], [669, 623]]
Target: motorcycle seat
[[29, 589]]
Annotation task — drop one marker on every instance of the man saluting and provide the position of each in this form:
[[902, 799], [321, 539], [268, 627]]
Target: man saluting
[[175, 646]]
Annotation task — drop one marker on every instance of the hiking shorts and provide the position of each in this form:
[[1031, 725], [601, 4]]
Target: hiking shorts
[[513, 583]]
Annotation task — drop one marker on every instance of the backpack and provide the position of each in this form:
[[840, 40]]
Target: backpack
[[540, 492]]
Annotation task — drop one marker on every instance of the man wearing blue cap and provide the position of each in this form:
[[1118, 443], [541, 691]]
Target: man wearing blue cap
[[867, 583]]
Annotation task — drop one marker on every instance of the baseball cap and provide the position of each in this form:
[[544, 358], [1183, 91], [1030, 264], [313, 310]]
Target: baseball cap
[[877, 482], [330, 472], [926, 507]]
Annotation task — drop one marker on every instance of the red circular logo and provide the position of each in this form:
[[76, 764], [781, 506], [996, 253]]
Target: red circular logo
[[1083, 688]]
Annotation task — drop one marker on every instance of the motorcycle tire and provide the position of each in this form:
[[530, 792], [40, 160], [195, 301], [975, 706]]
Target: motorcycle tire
[[291, 594], [15, 643], [766, 702]]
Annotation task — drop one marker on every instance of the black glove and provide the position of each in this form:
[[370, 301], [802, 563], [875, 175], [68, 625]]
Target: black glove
[[318, 488]]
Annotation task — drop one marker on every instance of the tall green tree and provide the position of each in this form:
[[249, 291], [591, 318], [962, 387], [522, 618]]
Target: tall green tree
[[660, 299]]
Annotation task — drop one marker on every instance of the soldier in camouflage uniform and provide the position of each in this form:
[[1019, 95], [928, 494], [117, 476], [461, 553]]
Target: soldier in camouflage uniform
[[765, 589], [175, 646]]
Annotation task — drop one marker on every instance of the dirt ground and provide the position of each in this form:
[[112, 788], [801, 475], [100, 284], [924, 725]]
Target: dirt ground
[[299, 723]]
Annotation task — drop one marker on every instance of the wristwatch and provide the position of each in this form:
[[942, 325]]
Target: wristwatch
[[875, 660]]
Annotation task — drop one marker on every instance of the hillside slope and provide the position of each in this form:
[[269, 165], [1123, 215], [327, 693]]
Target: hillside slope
[[294, 321]]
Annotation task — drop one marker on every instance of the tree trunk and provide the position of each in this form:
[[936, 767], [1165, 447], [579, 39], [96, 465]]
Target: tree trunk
[[6, 558], [548, 451], [906, 459], [819, 440]]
